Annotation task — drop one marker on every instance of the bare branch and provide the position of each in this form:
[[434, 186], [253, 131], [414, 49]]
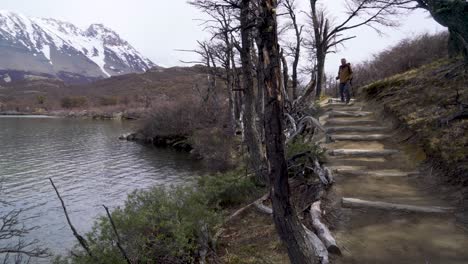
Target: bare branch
[[80, 239], [119, 243]]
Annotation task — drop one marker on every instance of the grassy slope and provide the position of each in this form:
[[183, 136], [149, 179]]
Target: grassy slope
[[174, 83], [420, 99]]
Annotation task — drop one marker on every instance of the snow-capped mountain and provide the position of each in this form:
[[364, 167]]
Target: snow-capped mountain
[[53, 48]]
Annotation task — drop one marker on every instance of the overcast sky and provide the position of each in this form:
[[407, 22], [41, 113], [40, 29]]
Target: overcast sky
[[157, 28]]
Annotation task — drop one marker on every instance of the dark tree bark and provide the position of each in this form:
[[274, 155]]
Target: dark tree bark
[[452, 14], [287, 223], [251, 135], [285, 79]]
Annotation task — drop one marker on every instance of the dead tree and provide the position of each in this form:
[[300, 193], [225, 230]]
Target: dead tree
[[295, 48], [206, 52], [251, 132], [360, 13], [288, 225], [246, 22], [221, 25]]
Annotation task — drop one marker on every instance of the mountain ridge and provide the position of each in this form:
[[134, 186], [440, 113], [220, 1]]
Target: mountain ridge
[[53, 48]]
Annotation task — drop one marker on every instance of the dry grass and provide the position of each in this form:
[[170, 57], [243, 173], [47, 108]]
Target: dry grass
[[421, 99], [252, 239], [408, 54]]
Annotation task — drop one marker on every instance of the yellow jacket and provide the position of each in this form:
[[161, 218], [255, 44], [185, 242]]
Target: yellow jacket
[[345, 73]]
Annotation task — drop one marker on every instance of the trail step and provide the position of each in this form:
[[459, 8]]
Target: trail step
[[349, 114], [356, 122], [375, 173], [373, 137], [356, 129], [334, 100], [345, 108], [358, 203], [363, 152], [334, 104]]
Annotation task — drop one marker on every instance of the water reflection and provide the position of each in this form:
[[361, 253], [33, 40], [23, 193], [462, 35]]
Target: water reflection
[[89, 166]]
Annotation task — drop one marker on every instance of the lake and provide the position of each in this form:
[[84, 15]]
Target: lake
[[89, 166]]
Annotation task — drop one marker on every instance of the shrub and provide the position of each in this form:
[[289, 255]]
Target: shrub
[[108, 100], [41, 99], [227, 189], [170, 118], [156, 226], [165, 225], [74, 102], [300, 146], [406, 55]]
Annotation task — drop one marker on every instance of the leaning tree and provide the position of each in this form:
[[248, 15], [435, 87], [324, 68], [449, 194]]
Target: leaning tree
[[452, 14]]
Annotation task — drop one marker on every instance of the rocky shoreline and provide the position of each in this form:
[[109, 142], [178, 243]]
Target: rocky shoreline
[[85, 114], [177, 142]]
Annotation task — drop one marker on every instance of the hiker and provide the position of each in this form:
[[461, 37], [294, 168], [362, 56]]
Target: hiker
[[345, 75]]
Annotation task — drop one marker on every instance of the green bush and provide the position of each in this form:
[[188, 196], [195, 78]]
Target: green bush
[[164, 225], [298, 146], [155, 226], [41, 99], [227, 189], [74, 102]]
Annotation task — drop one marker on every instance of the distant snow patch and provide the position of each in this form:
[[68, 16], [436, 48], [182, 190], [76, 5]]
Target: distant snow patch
[[46, 51], [7, 78]]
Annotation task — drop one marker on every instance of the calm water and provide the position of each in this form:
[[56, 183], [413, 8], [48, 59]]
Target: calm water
[[89, 165]]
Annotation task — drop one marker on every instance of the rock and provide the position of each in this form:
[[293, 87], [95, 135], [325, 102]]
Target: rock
[[124, 136], [117, 116]]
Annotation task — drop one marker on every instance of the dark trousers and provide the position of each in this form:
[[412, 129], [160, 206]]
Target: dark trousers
[[344, 92]]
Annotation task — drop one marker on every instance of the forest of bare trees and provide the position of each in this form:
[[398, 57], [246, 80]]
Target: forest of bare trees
[[268, 98], [268, 105]]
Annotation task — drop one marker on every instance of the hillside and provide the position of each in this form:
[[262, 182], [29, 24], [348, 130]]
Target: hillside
[[431, 102], [58, 49], [124, 91]]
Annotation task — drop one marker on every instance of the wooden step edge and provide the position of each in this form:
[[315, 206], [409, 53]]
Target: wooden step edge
[[376, 173], [363, 152], [358, 203]]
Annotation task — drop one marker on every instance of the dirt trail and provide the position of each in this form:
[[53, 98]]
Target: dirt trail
[[370, 164]]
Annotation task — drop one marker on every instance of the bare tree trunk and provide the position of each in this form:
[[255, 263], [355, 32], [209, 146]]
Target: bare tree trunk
[[453, 15], [251, 135], [287, 223], [284, 63], [321, 56]]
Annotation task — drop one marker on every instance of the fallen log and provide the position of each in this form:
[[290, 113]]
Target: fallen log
[[320, 249], [321, 230], [303, 123], [358, 203], [261, 207]]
